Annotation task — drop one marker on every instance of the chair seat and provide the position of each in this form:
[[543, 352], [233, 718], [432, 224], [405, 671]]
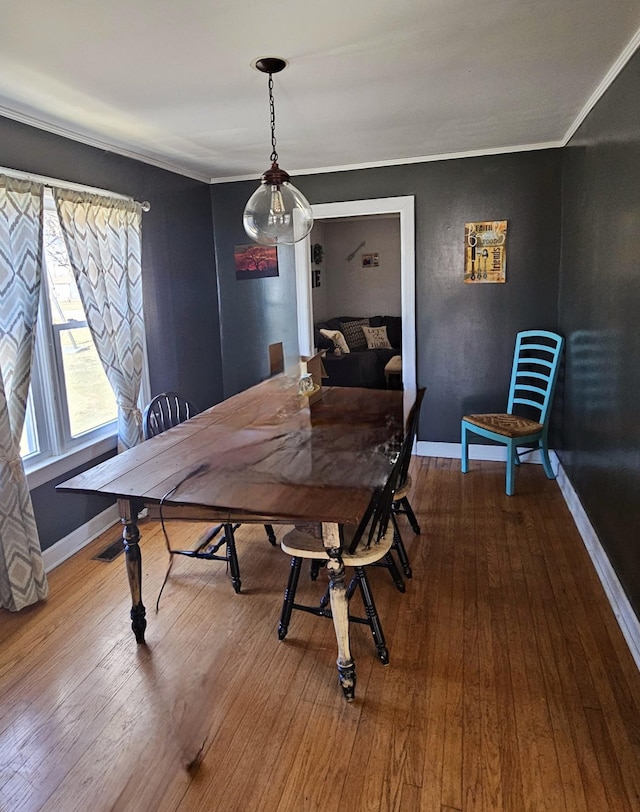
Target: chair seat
[[299, 544], [393, 365], [507, 425]]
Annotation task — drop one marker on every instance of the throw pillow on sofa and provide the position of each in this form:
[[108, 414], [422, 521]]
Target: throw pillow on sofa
[[337, 338], [352, 331], [376, 338], [394, 329]]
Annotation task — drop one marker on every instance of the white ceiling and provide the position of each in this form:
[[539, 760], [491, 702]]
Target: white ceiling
[[369, 82]]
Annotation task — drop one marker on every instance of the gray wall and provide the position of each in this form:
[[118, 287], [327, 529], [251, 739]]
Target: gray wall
[[599, 315], [179, 279], [253, 312], [320, 295], [465, 333], [350, 288]]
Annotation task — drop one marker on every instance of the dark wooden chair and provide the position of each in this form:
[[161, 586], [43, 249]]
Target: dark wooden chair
[[165, 411], [368, 543], [401, 503]]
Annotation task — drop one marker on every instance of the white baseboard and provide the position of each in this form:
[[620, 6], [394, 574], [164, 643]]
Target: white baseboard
[[492, 453], [627, 619], [79, 538]]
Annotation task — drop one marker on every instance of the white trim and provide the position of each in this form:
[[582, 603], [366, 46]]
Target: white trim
[[105, 146], [304, 302], [612, 73], [47, 469], [421, 159], [79, 538], [627, 620], [405, 208], [604, 85], [477, 451], [59, 184]]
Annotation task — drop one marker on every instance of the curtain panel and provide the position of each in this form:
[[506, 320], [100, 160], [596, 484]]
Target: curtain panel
[[103, 239], [22, 576]]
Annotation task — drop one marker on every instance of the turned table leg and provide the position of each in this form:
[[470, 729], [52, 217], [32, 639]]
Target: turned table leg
[[339, 609], [130, 539]]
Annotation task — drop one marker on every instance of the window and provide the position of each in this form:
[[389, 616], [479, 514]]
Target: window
[[71, 404]]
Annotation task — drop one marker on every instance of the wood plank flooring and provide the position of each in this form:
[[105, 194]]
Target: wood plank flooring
[[510, 685]]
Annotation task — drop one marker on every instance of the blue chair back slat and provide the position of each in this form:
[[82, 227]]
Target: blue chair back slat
[[532, 403], [531, 373], [530, 387], [540, 347], [529, 353]]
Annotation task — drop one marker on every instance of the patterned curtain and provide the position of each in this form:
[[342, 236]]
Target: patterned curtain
[[22, 577], [102, 236]]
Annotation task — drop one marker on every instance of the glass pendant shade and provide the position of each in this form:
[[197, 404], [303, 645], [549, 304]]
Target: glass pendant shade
[[277, 213]]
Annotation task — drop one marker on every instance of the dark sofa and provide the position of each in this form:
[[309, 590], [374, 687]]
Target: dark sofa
[[358, 367]]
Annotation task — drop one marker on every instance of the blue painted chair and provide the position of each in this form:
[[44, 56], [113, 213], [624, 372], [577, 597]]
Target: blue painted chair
[[533, 378]]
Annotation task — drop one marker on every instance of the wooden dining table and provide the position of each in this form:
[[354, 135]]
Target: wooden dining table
[[265, 455]]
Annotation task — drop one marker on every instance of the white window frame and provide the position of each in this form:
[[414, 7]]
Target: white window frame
[[58, 451]]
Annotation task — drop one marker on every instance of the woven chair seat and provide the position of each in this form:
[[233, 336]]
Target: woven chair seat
[[298, 544], [507, 425]]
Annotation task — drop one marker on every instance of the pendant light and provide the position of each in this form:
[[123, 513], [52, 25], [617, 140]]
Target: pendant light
[[276, 213]]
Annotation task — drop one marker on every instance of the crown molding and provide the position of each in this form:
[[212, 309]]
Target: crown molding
[[448, 156], [71, 135], [597, 94], [604, 85]]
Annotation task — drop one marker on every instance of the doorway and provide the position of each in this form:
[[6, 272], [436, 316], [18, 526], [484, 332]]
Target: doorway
[[402, 206]]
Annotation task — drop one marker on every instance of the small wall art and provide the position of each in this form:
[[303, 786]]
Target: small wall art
[[370, 260], [485, 258], [255, 261]]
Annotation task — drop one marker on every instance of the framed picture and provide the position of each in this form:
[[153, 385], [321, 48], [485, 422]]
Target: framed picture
[[485, 258], [255, 261], [370, 260]]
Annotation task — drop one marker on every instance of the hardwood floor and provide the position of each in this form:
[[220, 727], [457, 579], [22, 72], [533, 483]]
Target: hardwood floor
[[510, 685]]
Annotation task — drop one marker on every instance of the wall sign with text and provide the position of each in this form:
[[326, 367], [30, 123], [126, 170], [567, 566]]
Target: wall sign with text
[[485, 258]]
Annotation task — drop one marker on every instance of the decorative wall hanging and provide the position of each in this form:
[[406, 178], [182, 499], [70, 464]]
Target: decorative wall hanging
[[370, 260], [355, 251], [485, 258], [317, 253], [255, 261]]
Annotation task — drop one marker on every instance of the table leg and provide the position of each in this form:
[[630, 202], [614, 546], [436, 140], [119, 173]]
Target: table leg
[[133, 558], [339, 609]]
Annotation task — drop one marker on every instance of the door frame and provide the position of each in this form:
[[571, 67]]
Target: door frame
[[403, 206]]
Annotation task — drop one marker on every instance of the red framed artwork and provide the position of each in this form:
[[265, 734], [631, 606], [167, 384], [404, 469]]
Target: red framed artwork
[[255, 261]]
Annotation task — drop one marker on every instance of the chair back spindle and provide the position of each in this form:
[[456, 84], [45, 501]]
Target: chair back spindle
[[165, 411], [411, 430]]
